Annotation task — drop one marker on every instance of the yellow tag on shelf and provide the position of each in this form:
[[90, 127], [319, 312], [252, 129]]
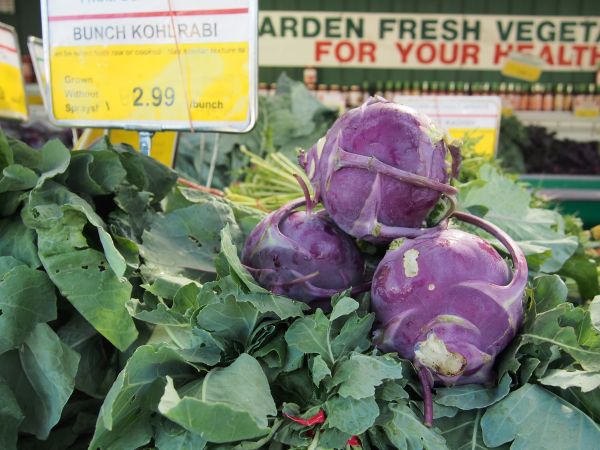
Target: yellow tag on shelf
[[164, 144], [523, 67], [152, 65], [13, 101]]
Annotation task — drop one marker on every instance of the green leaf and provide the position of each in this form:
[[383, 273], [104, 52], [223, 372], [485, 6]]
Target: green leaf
[[358, 375], [535, 418], [473, 396], [55, 158], [311, 335], [17, 178], [170, 436], [564, 379], [95, 172], [319, 369], [6, 154], [406, 430], [350, 415], [583, 270], [124, 418], [194, 231], [222, 414], [26, 299], [539, 232], [595, 313], [10, 417], [18, 241], [547, 329], [463, 431], [550, 291], [233, 321], [41, 374], [80, 272], [343, 307], [354, 335], [230, 253]]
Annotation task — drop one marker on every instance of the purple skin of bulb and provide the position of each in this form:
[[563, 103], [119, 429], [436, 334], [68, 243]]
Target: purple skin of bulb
[[380, 170], [448, 302], [303, 255]]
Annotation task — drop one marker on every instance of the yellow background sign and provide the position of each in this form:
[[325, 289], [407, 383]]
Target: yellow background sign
[[13, 101]]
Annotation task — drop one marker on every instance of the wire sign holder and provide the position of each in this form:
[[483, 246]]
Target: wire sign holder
[[152, 66]]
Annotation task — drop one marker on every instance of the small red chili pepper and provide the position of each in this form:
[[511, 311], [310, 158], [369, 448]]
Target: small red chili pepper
[[354, 441], [314, 420]]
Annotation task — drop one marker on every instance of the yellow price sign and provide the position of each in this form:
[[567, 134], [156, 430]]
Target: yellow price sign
[[13, 101], [523, 67], [152, 65]]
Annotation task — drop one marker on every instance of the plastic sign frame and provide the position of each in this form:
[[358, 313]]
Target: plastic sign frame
[[35, 45], [104, 10], [14, 48]]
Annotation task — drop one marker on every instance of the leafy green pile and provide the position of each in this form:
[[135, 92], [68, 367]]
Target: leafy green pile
[[290, 118], [129, 322]]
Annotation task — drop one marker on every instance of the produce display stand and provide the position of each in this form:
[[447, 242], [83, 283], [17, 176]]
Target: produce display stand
[[575, 194]]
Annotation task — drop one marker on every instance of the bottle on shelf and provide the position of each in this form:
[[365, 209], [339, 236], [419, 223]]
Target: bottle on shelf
[[568, 99], [451, 88], [388, 93], [466, 88], [516, 98], [579, 96], [406, 88], [310, 75], [355, 96], [548, 99], [536, 97], [378, 88], [365, 91], [398, 88], [435, 88], [416, 88], [559, 97], [442, 88], [476, 88], [425, 88], [263, 89], [486, 88], [272, 88]]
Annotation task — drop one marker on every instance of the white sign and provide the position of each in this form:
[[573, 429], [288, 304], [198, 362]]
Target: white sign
[[36, 51], [152, 65], [425, 41], [475, 117]]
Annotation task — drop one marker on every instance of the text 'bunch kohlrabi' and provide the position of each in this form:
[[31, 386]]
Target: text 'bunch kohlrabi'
[[443, 298]]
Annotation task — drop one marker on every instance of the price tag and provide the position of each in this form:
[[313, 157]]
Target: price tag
[[152, 64], [13, 103], [523, 67], [474, 118], [36, 51]]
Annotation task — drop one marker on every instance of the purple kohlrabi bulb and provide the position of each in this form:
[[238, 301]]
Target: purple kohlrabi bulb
[[380, 170], [448, 302], [303, 255]]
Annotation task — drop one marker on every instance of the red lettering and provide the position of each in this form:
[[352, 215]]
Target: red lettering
[[321, 49], [524, 48], [595, 56], [339, 54], [444, 57], [470, 51], [404, 51], [421, 55], [562, 60], [366, 50], [546, 54], [500, 53], [579, 49]]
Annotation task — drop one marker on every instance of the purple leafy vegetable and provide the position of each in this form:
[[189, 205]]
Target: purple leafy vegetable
[[446, 301], [380, 170]]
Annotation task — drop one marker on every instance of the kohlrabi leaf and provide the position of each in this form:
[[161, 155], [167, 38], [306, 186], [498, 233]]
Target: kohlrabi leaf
[[406, 431], [350, 415], [319, 369], [124, 418], [507, 204], [564, 379], [310, 335], [27, 298], [583, 270], [18, 241], [595, 313], [358, 375], [220, 413], [473, 396], [170, 436], [463, 431], [41, 375], [535, 418], [11, 417], [194, 231]]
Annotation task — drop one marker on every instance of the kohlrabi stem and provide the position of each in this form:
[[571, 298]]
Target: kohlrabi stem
[[427, 399], [456, 159], [520, 271], [309, 203], [347, 159]]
